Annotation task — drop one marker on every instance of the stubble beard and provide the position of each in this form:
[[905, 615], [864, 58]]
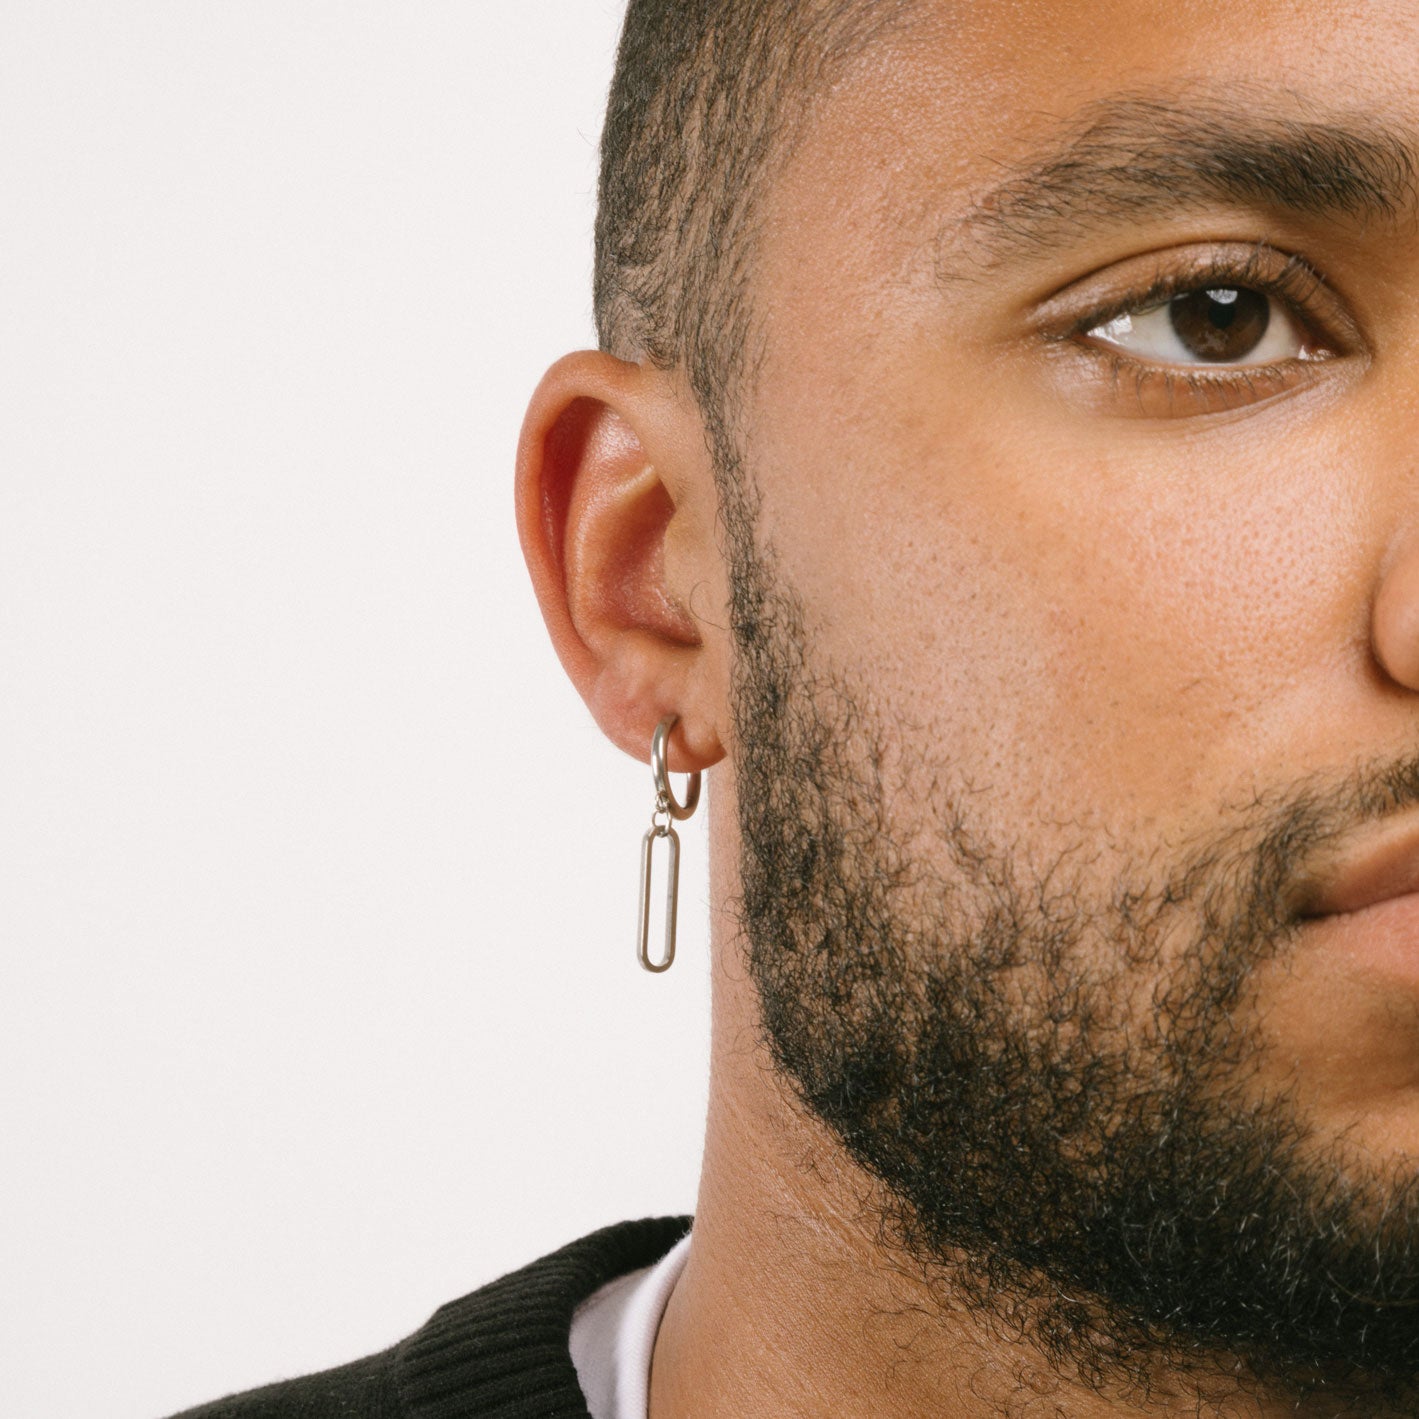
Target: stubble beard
[[1100, 1176]]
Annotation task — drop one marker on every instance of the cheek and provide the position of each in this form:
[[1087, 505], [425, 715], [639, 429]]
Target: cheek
[[1195, 615], [1091, 621]]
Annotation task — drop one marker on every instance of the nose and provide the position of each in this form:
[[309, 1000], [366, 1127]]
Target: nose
[[1395, 621]]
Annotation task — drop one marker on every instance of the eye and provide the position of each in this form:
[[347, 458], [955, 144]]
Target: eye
[[1214, 325], [1209, 328]]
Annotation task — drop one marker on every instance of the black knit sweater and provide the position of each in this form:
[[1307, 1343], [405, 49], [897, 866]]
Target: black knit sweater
[[500, 1353]]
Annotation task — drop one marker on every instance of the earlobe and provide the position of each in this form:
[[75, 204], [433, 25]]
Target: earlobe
[[601, 490]]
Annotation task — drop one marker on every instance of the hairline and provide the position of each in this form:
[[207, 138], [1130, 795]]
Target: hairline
[[719, 356]]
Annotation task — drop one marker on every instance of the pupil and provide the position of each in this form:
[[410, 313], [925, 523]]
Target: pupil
[[1221, 325]]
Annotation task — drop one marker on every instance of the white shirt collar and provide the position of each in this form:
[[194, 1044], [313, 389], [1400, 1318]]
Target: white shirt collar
[[613, 1336]]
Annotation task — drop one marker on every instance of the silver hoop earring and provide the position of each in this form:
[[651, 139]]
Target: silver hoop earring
[[668, 811]]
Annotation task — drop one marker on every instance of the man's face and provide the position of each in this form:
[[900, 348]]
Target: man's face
[[1079, 673]]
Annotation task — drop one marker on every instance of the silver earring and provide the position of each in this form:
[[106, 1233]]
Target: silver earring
[[668, 811]]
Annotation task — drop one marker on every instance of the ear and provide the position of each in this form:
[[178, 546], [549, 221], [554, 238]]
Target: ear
[[616, 513]]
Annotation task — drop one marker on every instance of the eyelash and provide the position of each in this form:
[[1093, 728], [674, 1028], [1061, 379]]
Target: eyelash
[[1288, 279]]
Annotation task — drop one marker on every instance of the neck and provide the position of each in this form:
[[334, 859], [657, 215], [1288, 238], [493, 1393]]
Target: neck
[[794, 1303]]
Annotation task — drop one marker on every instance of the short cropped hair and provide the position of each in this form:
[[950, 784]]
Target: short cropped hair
[[705, 102]]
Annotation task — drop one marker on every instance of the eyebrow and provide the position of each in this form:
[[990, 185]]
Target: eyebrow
[[1130, 158]]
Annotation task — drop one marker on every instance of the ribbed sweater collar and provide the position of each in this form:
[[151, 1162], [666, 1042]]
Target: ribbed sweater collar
[[502, 1352]]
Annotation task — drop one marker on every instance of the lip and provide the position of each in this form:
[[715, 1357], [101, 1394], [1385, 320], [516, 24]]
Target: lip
[[1380, 869]]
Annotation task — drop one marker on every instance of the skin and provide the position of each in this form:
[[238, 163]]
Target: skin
[[1115, 610]]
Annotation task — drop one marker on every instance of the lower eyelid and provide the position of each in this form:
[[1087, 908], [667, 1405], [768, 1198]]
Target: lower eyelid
[[1140, 388]]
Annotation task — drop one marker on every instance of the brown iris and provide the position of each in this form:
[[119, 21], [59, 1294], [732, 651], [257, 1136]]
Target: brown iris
[[1224, 324]]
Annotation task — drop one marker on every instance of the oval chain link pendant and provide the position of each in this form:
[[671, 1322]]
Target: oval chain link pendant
[[655, 833]]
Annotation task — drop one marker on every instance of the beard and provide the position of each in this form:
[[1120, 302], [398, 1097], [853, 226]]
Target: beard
[[1054, 1077]]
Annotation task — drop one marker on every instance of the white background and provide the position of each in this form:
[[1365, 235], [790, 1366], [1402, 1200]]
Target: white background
[[318, 999]]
